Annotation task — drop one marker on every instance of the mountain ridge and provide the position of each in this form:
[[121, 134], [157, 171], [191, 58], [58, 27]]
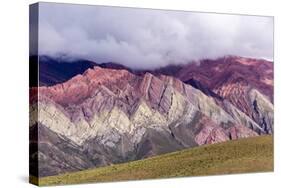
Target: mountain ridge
[[114, 115]]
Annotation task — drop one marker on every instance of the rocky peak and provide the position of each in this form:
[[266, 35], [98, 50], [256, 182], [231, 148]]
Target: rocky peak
[[83, 86]]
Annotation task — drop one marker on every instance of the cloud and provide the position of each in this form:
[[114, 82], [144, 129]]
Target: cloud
[[145, 38]]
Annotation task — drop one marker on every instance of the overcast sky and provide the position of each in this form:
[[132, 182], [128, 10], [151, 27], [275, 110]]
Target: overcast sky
[[145, 38]]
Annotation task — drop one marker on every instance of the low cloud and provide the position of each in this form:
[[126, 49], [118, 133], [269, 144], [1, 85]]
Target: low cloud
[[145, 38]]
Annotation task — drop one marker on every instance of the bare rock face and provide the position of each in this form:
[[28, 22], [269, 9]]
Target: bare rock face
[[211, 133], [240, 131], [233, 80], [229, 70], [80, 87], [107, 116]]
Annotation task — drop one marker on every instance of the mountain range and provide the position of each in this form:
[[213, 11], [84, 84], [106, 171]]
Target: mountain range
[[87, 115]]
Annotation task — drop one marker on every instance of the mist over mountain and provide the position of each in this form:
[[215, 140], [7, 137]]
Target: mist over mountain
[[145, 39]]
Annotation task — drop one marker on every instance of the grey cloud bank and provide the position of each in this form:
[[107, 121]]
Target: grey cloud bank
[[145, 38]]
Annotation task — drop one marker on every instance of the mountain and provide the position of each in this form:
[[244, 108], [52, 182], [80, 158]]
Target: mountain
[[110, 114], [54, 70], [245, 82], [217, 73]]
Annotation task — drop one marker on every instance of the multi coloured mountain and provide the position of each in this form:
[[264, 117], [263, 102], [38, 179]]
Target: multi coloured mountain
[[103, 114]]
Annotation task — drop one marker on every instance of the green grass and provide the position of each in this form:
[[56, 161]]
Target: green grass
[[241, 156]]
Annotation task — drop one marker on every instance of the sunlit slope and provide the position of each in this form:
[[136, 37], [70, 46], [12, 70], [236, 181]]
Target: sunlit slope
[[240, 156]]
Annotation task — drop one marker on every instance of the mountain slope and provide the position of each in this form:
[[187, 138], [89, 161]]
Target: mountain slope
[[53, 71], [227, 70], [228, 157], [239, 80], [113, 116]]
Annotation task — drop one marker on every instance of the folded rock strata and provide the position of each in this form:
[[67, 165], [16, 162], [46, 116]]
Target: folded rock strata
[[107, 116]]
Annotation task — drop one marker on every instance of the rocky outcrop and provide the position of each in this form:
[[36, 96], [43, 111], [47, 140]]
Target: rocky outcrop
[[215, 73], [233, 80]]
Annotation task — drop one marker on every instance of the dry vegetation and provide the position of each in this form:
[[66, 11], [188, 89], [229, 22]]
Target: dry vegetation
[[241, 156]]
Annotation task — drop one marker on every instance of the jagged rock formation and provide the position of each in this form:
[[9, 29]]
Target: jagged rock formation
[[238, 80], [107, 116]]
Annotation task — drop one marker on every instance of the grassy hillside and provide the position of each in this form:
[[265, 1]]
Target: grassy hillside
[[241, 156]]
